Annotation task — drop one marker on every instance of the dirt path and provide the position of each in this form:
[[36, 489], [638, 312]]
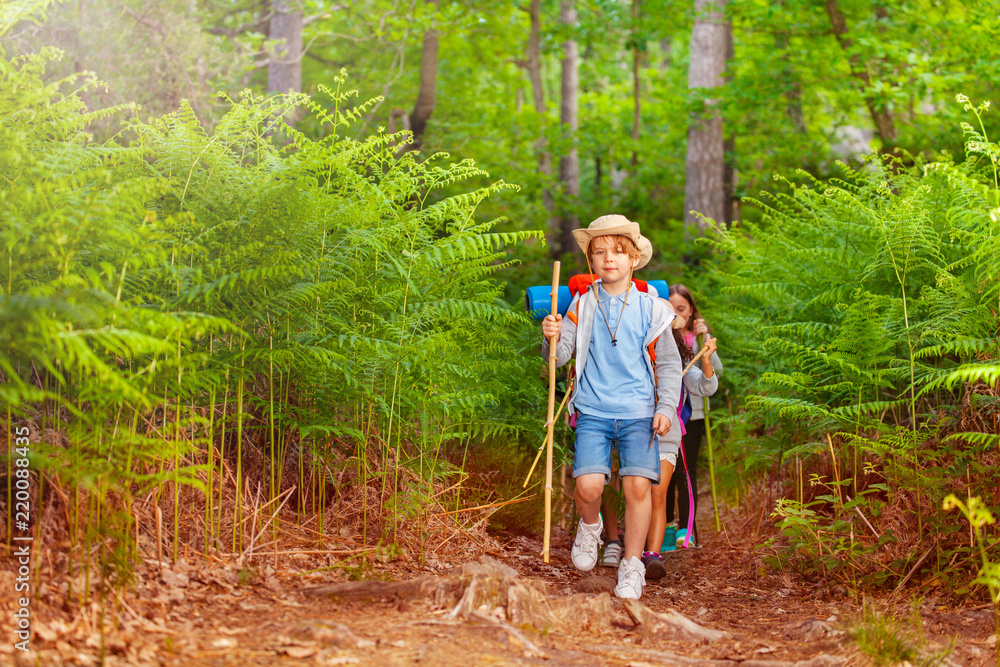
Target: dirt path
[[205, 616]]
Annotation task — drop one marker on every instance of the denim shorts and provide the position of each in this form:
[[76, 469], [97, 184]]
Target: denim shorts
[[637, 448]]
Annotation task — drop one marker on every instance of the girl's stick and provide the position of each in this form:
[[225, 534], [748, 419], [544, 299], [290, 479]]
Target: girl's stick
[[569, 390], [711, 470], [550, 417], [711, 459]]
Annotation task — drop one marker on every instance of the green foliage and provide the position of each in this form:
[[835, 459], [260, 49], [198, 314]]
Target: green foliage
[[862, 313], [150, 54], [195, 303], [814, 542], [979, 516], [889, 641], [791, 98]]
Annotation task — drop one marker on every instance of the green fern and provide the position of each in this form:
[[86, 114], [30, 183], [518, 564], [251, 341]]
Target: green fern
[[198, 306], [864, 313]]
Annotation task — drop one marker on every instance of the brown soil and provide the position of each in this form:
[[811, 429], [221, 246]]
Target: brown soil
[[271, 611]]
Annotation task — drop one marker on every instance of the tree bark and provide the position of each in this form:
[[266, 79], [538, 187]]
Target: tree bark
[[666, 44], [881, 117], [533, 65], [792, 86], [284, 69], [533, 60], [404, 120], [705, 162], [569, 164], [729, 175], [424, 107], [636, 87]]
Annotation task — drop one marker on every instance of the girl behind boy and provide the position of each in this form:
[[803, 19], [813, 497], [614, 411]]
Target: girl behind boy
[[700, 382]]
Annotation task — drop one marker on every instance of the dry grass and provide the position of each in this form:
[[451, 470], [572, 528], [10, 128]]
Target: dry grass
[[351, 515]]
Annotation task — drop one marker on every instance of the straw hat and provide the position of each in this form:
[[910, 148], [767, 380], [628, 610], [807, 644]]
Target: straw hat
[[613, 225]]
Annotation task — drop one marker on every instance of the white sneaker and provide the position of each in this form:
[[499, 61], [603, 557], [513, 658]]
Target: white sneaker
[[612, 554], [631, 579], [584, 551]]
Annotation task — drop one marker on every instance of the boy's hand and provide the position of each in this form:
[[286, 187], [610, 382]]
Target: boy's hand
[[551, 326], [661, 424]]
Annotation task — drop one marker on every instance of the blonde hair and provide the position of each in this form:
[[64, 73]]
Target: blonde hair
[[618, 242]]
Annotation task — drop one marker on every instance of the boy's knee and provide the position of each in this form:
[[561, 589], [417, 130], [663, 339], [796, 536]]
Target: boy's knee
[[636, 488], [590, 487]]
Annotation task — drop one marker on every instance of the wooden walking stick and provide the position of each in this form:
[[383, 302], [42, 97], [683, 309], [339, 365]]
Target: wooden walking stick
[[711, 470], [550, 421], [698, 356], [545, 441], [711, 458]]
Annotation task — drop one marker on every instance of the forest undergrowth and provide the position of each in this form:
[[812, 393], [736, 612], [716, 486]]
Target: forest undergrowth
[[240, 343], [860, 318]]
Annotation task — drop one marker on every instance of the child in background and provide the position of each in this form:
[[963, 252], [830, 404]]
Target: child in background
[[609, 515], [651, 557], [701, 381], [623, 397]]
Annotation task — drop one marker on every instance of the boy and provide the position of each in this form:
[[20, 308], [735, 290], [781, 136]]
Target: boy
[[625, 396]]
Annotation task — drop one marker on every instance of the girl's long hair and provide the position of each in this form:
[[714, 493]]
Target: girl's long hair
[[695, 313], [687, 354]]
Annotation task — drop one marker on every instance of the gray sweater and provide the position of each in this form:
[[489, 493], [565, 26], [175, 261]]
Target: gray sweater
[[699, 387], [574, 337]]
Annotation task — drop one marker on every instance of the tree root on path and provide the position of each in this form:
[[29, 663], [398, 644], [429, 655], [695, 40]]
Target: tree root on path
[[669, 626], [514, 637], [489, 589], [666, 658], [490, 593]]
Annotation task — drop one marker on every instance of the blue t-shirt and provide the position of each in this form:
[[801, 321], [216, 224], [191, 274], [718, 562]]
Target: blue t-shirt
[[616, 383]]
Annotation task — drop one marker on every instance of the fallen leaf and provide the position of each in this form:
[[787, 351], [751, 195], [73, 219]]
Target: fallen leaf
[[298, 651], [175, 579]]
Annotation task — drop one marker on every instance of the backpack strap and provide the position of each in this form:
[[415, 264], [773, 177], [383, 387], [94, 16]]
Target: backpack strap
[[651, 351], [581, 282]]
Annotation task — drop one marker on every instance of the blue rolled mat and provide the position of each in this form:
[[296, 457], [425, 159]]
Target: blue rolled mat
[[662, 288], [537, 300]]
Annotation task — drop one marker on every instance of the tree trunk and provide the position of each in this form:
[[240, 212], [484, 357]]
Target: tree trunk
[[533, 62], [284, 69], [666, 44], [428, 78], [793, 97], [705, 163], [404, 120], [636, 88], [533, 65], [881, 117], [569, 164], [730, 199], [792, 86]]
